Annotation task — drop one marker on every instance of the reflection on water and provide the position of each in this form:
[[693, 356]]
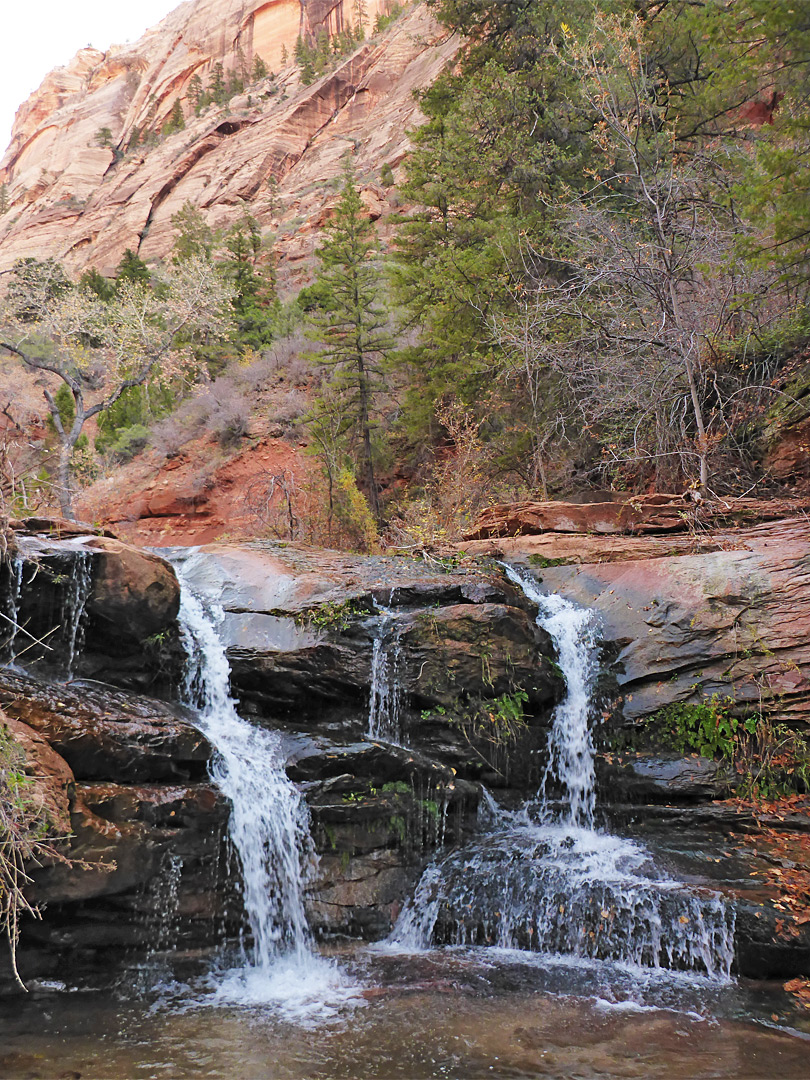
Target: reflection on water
[[454, 1013]]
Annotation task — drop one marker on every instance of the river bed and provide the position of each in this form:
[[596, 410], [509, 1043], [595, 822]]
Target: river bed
[[446, 1013]]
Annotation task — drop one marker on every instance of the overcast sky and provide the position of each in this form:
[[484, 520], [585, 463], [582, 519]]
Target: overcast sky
[[38, 35]]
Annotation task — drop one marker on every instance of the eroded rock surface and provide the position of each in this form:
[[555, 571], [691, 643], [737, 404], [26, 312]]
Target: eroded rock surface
[[301, 624], [85, 203], [733, 620]]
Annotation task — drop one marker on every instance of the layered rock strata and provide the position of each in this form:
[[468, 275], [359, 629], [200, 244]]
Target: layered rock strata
[[277, 148]]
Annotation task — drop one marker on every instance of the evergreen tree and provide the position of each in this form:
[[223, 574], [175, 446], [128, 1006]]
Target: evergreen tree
[[254, 302], [4, 199], [305, 58], [176, 120], [194, 91], [260, 70], [322, 51], [132, 268], [216, 87], [360, 19], [285, 56], [194, 236], [350, 326], [96, 283]]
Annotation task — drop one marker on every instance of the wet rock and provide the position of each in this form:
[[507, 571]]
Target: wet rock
[[733, 622], [647, 777], [360, 897], [93, 605], [747, 855], [134, 595], [103, 733], [378, 811], [482, 650]]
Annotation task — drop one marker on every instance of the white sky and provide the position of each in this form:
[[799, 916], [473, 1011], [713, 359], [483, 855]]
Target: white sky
[[38, 35]]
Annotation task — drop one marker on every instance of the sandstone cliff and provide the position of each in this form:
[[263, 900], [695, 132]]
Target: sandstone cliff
[[85, 203]]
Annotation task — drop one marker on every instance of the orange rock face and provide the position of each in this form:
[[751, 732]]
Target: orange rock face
[[85, 203]]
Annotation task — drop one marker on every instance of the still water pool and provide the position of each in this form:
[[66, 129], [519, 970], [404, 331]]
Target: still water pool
[[383, 1013]]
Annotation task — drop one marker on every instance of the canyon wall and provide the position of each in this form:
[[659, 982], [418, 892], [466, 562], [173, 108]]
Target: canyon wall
[[274, 148]]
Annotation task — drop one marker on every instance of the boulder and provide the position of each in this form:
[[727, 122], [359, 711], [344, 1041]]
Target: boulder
[[135, 595], [103, 733], [92, 605]]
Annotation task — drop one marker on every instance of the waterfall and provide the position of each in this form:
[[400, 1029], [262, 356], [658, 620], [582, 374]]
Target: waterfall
[[12, 613], [69, 565], [74, 607], [269, 825], [545, 879], [570, 744], [385, 694]]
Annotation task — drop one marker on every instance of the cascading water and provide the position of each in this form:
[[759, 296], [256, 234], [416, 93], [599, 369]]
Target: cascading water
[[544, 879], [10, 628], [74, 608], [385, 696], [269, 828]]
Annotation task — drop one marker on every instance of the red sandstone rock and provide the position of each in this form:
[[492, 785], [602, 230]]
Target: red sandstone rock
[[82, 204], [659, 513]]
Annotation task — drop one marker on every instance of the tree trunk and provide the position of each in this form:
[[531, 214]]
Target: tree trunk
[[365, 427], [63, 491]]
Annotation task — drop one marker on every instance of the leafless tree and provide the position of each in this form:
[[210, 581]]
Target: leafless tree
[[625, 323], [99, 350]]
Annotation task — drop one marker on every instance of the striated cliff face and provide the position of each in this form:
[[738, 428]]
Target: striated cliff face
[[85, 203]]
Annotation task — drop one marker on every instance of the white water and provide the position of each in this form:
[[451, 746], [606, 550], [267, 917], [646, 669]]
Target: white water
[[269, 827], [385, 694], [10, 625], [571, 749], [545, 879], [74, 607]]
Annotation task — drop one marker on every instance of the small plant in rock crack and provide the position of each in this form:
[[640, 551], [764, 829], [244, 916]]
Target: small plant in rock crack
[[334, 615], [490, 727], [25, 840], [770, 760]]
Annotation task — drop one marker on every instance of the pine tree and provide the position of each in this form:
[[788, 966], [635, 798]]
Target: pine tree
[[176, 120], [194, 236], [216, 88], [350, 325], [4, 199], [194, 91], [305, 58], [260, 70], [103, 288], [285, 56], [360, 19], [322, 52], [254, 301], [132, 268]]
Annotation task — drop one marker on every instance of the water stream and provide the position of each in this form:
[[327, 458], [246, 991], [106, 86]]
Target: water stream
[[10, 628], [596, 962], [545, 879], [385, 694], [74, 608], [269, 827]]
